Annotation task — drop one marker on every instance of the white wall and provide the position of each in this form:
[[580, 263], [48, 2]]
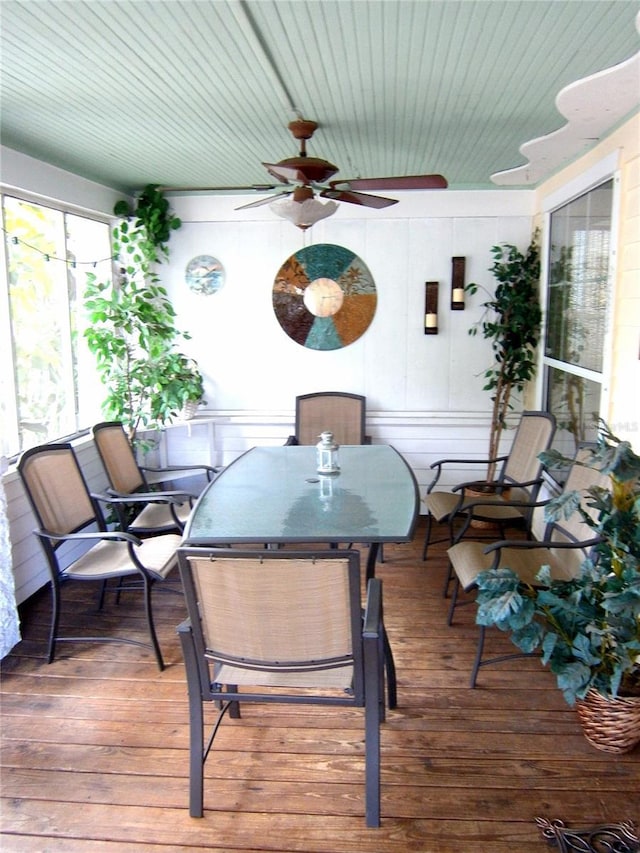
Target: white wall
[[251, 364]]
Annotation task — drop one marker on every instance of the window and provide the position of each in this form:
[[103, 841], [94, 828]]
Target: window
[[50, 389], [578, 298]]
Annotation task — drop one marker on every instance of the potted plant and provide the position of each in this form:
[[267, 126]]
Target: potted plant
[[132, 330], [587, 628], [184, 382], [511, 321]]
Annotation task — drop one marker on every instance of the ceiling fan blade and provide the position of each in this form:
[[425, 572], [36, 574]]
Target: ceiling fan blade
[[364, 199], [407, 182], [285, 174], [258, 188], [262, 201]]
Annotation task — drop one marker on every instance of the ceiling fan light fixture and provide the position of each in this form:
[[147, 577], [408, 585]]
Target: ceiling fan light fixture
[[304, 213]]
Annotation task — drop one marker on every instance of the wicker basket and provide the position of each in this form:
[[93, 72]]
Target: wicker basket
[[189, 410], [612, 725], [481, 491]]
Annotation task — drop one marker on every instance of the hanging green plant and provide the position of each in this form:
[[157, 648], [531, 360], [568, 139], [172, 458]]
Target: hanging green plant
[[152, 215]]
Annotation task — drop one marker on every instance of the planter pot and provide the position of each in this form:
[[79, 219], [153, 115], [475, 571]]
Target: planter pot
[[189, 410], [611, 725], [481, 490]]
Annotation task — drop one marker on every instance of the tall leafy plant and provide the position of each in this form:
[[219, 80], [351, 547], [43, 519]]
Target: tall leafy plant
[[132, 330], [511, 321]]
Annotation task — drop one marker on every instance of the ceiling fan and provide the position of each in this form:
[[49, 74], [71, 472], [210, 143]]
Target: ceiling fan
[[311, 174]]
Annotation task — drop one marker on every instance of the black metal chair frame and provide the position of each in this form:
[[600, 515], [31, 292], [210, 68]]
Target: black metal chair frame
[[90, 531], [142, 494], [501, 484]]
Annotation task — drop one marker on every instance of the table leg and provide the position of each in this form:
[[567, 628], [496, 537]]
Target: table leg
[[389, 662], [390, 666], [371, 559]]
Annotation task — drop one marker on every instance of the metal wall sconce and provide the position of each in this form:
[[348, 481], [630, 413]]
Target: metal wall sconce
[[431, 307], [457, 284]]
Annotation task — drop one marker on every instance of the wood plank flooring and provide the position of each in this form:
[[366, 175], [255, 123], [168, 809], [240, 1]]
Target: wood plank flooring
[[94, 753]]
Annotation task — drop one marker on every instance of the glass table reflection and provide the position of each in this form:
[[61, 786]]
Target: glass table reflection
[[274, 495]]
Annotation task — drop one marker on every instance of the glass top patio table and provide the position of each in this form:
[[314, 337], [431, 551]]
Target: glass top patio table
[[274, 495]]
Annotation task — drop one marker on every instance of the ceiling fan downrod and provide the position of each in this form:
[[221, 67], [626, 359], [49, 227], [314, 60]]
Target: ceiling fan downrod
[[302, 129]]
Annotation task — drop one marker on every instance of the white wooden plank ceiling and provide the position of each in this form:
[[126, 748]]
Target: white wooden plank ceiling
[[199, 92]]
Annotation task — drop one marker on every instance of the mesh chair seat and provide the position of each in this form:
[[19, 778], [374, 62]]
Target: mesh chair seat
[[158, 516], [340, 678], [112, 559], [469, 559]]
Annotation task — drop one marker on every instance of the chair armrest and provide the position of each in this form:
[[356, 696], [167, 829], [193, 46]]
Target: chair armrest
[[499, 485], [373, 609], [471, 484], [440, 463], [112, 496], [210, 470], [544, 544], [291, 441], [517, 484], [112, 535]]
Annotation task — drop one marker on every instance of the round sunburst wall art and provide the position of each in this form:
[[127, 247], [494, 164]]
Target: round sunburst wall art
[[324, 297]]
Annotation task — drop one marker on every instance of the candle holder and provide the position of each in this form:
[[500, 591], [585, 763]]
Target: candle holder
[[431, 307], [457, 284], [327, 454]]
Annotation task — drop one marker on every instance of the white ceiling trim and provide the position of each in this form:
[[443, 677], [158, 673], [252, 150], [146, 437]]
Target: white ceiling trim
[[592, 107]]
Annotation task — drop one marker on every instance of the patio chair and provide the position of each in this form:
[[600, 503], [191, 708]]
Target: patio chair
[[519, 480], [564, 546], [149, 511], [78, 546], [338, 412], [281, 627]]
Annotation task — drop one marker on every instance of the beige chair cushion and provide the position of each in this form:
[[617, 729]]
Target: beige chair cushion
[[340, 678], [442, 504], [158, 515], [107, 558], [468, 560]]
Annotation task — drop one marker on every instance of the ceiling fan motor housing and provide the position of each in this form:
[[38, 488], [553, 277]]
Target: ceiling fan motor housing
[[311, 170], [302, 128]]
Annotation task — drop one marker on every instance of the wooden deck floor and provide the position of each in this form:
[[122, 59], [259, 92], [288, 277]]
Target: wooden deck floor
[[95, 747]]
